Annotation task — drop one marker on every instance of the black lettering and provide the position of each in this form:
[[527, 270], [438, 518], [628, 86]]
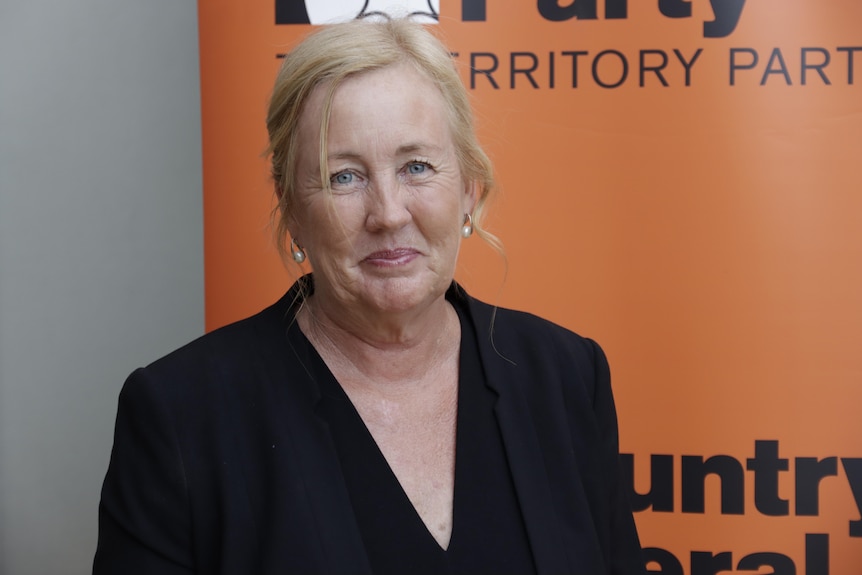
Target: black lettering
[[853, 469], [623, 75], [728, 469], [726, 13], [528, 72], [487, 72], [660, 494], [552, 71], [675, 8], [734, 66], [574, 56], [656, 69], [705, 563], [689, 64], [290, 12], [816, 554], [781, 564], [616, 9], [580, 9], [782, 67], [809, 472], [818, 67], [766, 466], [473, 10], [667, 562], [850, 50]]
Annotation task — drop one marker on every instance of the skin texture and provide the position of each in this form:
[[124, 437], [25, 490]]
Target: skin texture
[[383, 244]]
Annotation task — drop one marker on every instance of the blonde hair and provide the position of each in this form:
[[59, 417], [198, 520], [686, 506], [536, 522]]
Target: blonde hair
[[338, 51]]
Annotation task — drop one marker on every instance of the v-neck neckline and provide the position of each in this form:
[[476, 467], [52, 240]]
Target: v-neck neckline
[[331, 391], [488, 530]]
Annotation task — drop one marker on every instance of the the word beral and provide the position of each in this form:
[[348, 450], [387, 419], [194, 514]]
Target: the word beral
[[707, 563], [569, 68]]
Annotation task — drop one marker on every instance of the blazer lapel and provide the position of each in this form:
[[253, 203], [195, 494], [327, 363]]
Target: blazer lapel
[[524, 453], [531, 481], [312, 458]]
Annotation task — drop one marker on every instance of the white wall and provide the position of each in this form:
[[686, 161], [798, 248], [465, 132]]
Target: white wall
[[101, 247]]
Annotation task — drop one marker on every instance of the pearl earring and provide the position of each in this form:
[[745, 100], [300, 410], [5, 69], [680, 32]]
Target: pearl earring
[[297, 252], [467, 228]]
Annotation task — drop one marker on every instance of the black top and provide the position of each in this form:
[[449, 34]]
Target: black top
[[488, 534], [222, 463]]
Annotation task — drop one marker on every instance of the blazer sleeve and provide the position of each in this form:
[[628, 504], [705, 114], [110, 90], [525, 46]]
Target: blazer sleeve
[[625, 557], [144, 525]]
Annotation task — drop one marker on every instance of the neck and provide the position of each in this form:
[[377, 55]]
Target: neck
[[393, 349]]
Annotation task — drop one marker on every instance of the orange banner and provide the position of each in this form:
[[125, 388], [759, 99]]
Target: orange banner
[[680, 181]]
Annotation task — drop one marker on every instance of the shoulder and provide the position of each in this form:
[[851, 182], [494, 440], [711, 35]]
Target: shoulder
[[253, 336], [519, 335], [236, 353], [546, 361]]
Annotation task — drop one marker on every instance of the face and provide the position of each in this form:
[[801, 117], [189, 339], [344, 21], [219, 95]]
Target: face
[[386, 237]]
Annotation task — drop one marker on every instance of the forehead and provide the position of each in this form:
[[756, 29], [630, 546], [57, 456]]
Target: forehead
[[403, 77], [384, 100]]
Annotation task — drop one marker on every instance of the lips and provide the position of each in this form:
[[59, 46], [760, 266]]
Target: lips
[[391, 257]]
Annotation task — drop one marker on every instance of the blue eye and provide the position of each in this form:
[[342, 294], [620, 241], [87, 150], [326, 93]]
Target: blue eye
[[342, 178], [417, 167]]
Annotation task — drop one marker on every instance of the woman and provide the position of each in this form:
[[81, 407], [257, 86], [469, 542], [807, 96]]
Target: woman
[[377, 419]]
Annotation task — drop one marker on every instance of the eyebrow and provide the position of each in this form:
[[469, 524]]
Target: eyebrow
[[416, 147], [404, 149]]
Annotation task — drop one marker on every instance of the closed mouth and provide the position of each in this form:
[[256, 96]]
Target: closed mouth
[[393, 256]]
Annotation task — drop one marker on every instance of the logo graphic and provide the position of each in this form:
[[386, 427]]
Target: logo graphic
[[726, 13], [331, 11]]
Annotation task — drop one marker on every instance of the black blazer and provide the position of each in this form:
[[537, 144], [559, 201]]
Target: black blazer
[[221, 466]]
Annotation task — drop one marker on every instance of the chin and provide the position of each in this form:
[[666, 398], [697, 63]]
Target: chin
[[398, 295]]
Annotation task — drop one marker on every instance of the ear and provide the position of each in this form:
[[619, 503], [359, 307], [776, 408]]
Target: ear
[[292, 225], [293, 228], [471, 196]]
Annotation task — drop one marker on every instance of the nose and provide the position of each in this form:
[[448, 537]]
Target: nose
[[387, 207]]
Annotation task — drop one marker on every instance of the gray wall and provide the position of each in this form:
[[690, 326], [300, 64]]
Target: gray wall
[[101, 247]]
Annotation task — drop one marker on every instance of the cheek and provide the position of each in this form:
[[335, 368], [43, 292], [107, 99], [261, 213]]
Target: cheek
[[334, 224], [442, 223]]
